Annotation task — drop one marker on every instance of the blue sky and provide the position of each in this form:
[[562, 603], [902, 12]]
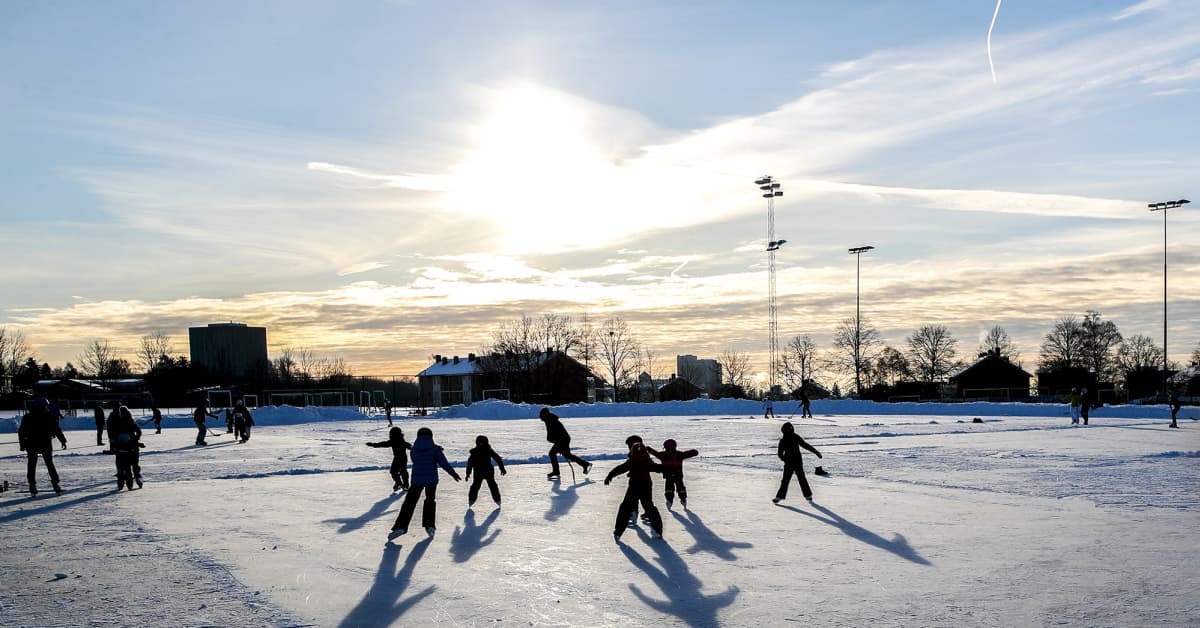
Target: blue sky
[[388, 180]]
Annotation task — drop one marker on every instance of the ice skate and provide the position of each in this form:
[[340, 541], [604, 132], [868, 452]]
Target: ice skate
[[397, 533]]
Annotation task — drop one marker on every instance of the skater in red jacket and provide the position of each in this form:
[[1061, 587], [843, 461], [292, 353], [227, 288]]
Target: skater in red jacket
[[672, 463]]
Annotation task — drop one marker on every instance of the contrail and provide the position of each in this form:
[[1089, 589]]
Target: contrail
[[989, 40]]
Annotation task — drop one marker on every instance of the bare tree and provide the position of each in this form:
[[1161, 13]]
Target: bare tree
[[618, 351], [1196, 355], [587, 341], [856, 341], [1063, 346], [14, 350], [285, 366], [932, 349], [1100, 342], [1138, 352], [891, 365], [997, 341], [799, 363], [736, 365], [99, 361], [152, 350]]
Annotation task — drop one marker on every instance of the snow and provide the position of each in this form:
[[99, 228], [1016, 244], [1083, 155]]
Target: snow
[[928, 519]]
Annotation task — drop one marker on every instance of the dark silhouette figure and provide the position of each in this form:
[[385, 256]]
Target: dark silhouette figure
[[793, 462], [1087, 401], [805, 402], [471, 538], [1175, 406], [36, 437], [480, 462], [387, 408], [557, 434], [426, 458], [682, 589], [898, 545], [381, 605], [199, 417], [99, 411], [242, 422], [124, 441], [672, 464], [400, 447], [638, 466], [157, 414]]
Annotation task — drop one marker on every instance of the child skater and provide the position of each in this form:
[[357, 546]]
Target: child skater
[[639, 466], [789, 453], [480, 461], [400, 447], [426, 458], [672, 463], [124, 440]]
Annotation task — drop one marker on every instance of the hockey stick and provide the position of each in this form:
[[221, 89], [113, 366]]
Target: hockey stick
[[572, 472]]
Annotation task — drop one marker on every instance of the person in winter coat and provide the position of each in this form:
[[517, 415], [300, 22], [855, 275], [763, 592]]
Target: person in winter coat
[[35, 437], [805, 402], [99, 410], [157, 419], [1074, 399], [1087, 401], [242, 422], [199, 416], [672, 463], [793, 463], [229, 422], [1175, 407], [557, 434], [638, 466], [480, 462], [400, 447], [387, 409], [768, 409], [124, 440], [426, 458]]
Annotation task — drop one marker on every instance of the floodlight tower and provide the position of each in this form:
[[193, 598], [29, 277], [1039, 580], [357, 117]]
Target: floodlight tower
[[771, 190], [857, 253], [1164, 206]]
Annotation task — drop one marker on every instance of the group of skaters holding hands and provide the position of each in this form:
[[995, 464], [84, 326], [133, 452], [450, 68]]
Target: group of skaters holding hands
[[428, 457]]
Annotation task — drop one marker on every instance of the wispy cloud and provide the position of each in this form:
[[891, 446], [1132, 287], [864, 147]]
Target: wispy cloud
[[1138, 9]]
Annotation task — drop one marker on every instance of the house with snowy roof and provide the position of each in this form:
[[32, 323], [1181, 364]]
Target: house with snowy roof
[[538, 377], [992, 376]]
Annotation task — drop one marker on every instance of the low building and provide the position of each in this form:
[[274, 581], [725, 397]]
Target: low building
[[544, 377], [679, 389], [992, 376]]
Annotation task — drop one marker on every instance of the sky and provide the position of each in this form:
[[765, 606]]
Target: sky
[[384, 181]]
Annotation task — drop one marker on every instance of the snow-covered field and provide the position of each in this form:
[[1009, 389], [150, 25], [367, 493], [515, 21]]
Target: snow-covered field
[[927, 520]]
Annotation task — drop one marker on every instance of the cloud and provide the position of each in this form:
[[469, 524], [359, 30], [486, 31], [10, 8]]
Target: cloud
[[1138, 9]]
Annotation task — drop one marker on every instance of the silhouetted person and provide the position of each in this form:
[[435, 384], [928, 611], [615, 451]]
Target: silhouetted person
[[480, 462], [157, 419], [640, 490], [199, 417], [387, 409], [793, 462], [805, 402], [1175, 406], [229, 422], [124, 440], [557, 434], [768, 408], [672, 465], [1087, 401], [36, 437], [99, 411], [242, 422], [426, 458], [400, 447]]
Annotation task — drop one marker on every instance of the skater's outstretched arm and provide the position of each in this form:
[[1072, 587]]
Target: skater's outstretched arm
[[617, 470], [808, 447]]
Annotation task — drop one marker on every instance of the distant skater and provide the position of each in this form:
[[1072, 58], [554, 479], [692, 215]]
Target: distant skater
[[229, 422], [400, 447], [671, 460], [1175, 406], [36, 437], [557, 434], [1086, 403], [124, 441], [480, 462], [793, 462], [242, 422], [638, 466], [387, 409], [1074, 399], [157, 414], [98, 409], [426, 458], [768, 408], [199, 417], [805, 402]]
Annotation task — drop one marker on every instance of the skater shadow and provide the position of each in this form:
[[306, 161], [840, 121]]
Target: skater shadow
[[471, 538], [350, 524], [706, 539], [675, 580], [381, 605], [898, 545], [53, 503], [563, 499]]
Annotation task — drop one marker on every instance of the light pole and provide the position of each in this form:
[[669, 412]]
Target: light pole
[[857, 253], [1164, 206], [771, 189]]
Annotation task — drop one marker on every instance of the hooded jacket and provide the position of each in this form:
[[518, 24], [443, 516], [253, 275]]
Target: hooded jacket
[[426, 458], [672, 460], [396, 441], [638, 465], [37, 430]]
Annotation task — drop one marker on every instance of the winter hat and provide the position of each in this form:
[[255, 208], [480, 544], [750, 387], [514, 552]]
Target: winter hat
[[669, 444], [396, 432], [481, 440], [425, 432], [544, 414], [787, 428], [632, 439]]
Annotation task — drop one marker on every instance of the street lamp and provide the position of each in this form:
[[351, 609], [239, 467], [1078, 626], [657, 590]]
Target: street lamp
[[771, 189], [857, 252], [1164, 206]]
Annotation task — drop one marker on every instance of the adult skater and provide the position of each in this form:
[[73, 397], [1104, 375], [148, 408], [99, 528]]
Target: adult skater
[[671, 460], [768, 408], [157, 414], [199, 417], [1175, 406], [35, 437], [793, 463], [427, 456], [98, 409], [124, 440], [639, 466], [480, 461], [400, 447], [1074, 399], [242, 422], [805, 402], [1087, 401], [557, 434], [387, 409]]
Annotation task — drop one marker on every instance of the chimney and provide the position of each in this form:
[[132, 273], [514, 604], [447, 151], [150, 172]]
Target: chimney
[[456, 359], [470, 357], [445, 360], [437, 358]]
